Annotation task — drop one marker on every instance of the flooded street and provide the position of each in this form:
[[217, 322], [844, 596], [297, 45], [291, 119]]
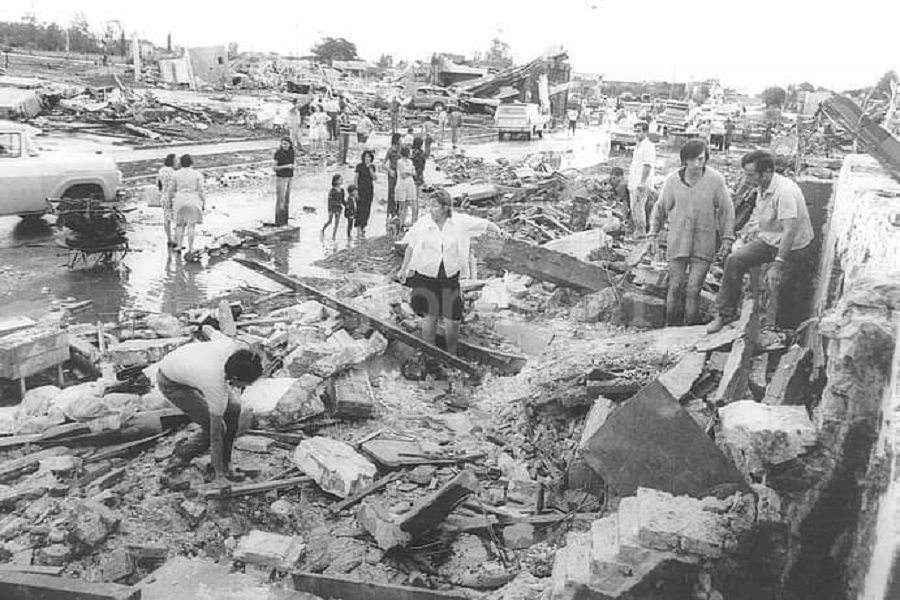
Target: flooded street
[[152, 278]]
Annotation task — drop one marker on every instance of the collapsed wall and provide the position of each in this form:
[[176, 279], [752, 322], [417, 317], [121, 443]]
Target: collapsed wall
[[845, 525]]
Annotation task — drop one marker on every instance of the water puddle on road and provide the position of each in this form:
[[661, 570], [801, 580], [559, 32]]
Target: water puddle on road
[[154, 279]]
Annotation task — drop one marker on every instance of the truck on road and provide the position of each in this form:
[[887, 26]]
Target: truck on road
[[520, 119], [29, 178]]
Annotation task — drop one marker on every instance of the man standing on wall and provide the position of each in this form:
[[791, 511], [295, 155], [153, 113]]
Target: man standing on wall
[[640, 176], [785, 235]]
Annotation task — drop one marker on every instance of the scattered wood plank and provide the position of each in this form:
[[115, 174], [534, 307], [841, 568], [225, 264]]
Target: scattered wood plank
[[348, 502], [253, 488], [31, 586], [430, 511], [388, 330], [123, 449], [543, 263], [344, 588], [12, 469]]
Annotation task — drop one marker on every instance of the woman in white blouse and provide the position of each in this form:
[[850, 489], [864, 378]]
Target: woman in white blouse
[[437, 255]]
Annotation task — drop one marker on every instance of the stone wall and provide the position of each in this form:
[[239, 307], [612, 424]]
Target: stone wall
[[852, 508]]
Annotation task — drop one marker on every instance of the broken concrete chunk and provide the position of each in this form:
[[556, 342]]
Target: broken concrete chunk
[[91, 523], [382, 526], [37, 401], [269, 550], [277, 401], [572, 568], [651, 441], [254, 443], [680, 379], [61, 466], [519, 536], [758, 435], [353, 395], [334, 465], [55, 555], [165, 326], [790, 382], [132, 353]]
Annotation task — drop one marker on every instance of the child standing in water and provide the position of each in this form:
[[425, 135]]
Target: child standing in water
[[336, 203], [350, 208]]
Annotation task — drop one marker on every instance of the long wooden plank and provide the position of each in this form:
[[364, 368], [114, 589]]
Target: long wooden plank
[[342, 588], [388, 330], [343, 504], [253, 488], [544, 264], [30, 586]]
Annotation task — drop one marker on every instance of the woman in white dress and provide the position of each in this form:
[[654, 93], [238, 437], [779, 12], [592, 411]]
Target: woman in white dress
[[188, 203]]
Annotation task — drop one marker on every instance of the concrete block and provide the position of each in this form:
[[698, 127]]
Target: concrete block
[[681, 524], [281, 400], [353, 395], [605, 563], [572, 568], [269, 550], [758, 435], [651, 441], [680, 379], [382, 526], [132, 353], [55, 555], [254, 443], [335, 466], [518, 536], [61, 466]]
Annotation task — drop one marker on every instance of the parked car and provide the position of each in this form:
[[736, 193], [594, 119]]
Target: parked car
[[29, 177], [520, 119], [432, 97]]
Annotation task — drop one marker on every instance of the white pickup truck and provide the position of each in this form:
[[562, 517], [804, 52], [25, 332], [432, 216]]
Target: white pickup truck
[[520, 119], [29, 177]]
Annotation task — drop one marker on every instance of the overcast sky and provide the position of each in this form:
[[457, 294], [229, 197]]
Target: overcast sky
[[748, 45]]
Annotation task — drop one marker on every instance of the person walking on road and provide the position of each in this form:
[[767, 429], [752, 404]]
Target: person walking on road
[[441, 124], [346, 130], [640, 177], [283, 165], [697, 205], [188, 203], [364, 128], [405, 193], [318, 131], [428, 135], [784, 237], [455, 121], [294, 121], [572, 116], [390, 160], [337, 201], [163, 181], [204, 380], [364, 181]]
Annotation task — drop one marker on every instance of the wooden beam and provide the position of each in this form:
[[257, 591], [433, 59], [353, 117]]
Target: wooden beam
[[543, 263], [343, 588], [336, 508], [428, 512], [252, 488], [387, 329], [30, 586]]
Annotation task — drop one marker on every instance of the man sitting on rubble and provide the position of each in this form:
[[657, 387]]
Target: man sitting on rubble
[[696, 203], [204, 380], [785, 233]]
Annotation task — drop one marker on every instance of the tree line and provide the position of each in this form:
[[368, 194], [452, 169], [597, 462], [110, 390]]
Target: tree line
[[30, 34]]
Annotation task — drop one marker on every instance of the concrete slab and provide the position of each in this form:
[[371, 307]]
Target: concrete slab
[[651, 441]]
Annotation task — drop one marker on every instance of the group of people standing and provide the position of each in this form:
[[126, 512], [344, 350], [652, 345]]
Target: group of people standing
[[695, 203], [183, 201], [354, 203]]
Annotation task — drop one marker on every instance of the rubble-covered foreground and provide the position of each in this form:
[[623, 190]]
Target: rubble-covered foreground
[[572, 450]]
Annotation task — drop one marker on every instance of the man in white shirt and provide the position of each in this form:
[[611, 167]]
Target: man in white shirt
[[640, 177], [204, 380], [785, 235]]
